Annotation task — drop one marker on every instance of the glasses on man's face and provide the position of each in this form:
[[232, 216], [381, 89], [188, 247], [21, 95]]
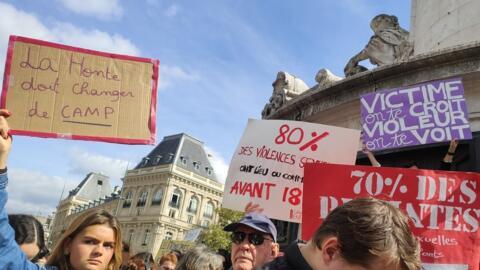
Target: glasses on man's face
[[41, 254], [254, 238]]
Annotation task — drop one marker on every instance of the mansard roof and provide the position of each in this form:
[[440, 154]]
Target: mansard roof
[[93, 187], [182, 150]]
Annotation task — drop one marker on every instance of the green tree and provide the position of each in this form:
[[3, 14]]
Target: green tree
[[214, 236]]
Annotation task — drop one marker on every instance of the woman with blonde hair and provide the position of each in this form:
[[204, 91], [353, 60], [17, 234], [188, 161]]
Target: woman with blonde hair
[[91, 242]]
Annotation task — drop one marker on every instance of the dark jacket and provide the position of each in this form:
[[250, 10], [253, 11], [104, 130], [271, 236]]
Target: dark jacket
[[291, 260]]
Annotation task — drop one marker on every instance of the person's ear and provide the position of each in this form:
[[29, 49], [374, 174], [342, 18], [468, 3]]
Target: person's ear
[[66, 246], [275, 249], [330, 248]]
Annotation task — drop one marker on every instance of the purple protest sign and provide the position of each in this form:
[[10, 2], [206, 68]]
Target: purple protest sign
[[419, 114]]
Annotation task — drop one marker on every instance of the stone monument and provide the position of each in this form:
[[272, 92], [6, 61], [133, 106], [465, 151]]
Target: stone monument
[[440, 24], [285, 87], [388, 45]]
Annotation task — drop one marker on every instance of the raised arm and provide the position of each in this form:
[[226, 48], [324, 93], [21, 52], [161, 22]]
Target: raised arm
[[371, 157], [448, 158], [5, 139], [11, 256]]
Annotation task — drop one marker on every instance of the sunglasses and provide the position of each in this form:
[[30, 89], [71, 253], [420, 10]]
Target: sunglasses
[[254, 238], [41, 254]]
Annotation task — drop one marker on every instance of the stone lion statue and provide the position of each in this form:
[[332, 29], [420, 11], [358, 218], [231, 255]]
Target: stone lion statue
[[285, 87], [388, 45], [326, 78]]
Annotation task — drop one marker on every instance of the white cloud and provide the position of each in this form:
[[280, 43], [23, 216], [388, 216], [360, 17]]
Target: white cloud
[[220, 166], [18, 22], [172, 11], [170, 74], [93, 39], [101, 9], [83, 162], [34, 192], [14, 21]]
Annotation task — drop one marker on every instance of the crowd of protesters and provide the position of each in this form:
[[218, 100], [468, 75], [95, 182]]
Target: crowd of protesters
[[364, 233]]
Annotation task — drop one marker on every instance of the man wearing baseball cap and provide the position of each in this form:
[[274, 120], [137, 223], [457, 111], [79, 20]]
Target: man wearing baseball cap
[[254, 241]]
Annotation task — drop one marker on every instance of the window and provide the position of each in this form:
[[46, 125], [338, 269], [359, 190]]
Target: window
[[142, 199], [208, 210], [192, 207], [196, 165], [190, 219], [205, 223], [145, 239], [145, 161], [99, 182], [172, 213], [128, 200], [157, 198], [183, 160], [176, 197], [157, 159], [209, 170], [168, 236]]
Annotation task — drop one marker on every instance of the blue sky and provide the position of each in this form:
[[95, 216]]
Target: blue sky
[[218, 59]]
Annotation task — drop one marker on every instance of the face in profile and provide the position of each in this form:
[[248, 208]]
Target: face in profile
[[247, 255], [92, 249], [30, 250]]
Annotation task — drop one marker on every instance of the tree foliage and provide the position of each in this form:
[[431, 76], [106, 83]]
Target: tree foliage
[[214, 236]]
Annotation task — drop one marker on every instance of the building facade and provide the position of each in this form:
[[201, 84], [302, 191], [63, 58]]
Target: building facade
[[171, 191], [92, 190]]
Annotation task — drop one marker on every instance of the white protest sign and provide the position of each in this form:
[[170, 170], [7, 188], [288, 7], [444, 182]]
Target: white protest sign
[[267, 166]]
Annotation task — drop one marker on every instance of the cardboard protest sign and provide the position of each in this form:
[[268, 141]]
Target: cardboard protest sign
[[444, 206], [58, 91], [267, 166], [419, 114]]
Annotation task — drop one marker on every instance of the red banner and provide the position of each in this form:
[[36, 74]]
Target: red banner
[[444, 206]]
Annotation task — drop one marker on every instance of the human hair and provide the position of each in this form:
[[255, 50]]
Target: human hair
[[142, 260], [88, 218], [177, 253], [200, 258], [169, 257], [27, 229], [368, 229]]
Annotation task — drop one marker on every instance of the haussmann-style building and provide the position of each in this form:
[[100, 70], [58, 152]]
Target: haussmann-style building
[[171, 191]]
